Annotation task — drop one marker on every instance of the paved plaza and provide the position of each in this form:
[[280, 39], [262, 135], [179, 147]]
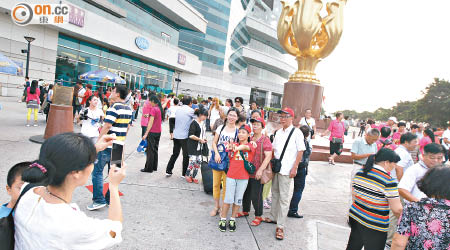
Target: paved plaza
[[169, 213]]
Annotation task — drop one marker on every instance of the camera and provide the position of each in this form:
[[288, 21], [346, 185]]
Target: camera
[[84, 115]]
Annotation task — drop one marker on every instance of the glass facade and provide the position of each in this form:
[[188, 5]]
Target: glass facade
[[258, 96], [75, 57], [209, 47], [140, 18], [275, 101]]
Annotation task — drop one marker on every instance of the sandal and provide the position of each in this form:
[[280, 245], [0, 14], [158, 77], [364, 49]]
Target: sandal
[[239, 215], [279, 234], [215, 211], [257, 221], [267, 220]]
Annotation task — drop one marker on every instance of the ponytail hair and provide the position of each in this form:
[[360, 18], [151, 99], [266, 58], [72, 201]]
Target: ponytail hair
[[384, 154], [59, 156], [201, 111], [429, 133], [154, 99], [33, 87]]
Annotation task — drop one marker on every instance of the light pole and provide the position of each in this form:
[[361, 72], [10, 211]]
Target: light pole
[[178, 80], [29, 40]]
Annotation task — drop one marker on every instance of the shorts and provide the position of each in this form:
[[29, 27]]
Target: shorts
[[235, 191], [335, 148]]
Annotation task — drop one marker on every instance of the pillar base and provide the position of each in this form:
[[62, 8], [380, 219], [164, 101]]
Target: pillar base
[[60, 120], [300, 96]]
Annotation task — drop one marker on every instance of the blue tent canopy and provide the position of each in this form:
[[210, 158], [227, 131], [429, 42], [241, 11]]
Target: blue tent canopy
[[101, 76], [7, 66]]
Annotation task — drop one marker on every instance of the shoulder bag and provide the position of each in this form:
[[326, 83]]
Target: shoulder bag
[[311, 130], [267, 173], [276, 163], [249, 167], [7, 224]]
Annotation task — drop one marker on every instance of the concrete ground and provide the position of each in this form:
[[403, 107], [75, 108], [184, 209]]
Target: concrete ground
[[169, 213]]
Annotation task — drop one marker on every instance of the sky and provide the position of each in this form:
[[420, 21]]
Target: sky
[[389, 52]]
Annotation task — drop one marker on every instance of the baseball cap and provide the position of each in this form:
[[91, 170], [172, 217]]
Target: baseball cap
[[260, 119], [392, 118], [246, 127], [286, 110]]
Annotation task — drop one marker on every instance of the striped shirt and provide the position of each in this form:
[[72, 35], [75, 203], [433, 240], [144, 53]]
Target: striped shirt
[[119, 115], [372, 191]]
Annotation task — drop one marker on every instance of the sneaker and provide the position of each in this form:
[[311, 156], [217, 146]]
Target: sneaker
[[168, 174], [28, 125], [232, 225], [189, 179], [95, 206], [35, 125], [183, 177], [223, 225]]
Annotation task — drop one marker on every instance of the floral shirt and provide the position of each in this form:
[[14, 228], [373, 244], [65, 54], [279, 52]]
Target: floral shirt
[[427, 224]]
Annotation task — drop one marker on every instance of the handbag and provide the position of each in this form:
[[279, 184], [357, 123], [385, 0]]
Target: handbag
[[276, 163], [204, 150], [249, 167], [336, 140], [224, 160], [267, 173], [7, 224]]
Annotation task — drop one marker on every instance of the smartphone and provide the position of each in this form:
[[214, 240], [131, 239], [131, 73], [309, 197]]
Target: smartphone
[[117, 154]]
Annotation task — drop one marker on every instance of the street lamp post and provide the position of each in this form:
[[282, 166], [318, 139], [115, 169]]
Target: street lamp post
[[29, 40], [178, 80]]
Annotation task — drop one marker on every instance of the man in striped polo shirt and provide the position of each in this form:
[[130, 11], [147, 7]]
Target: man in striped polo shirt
[[117, 121]]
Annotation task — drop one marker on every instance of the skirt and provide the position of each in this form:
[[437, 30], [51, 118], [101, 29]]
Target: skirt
[[32, 104]]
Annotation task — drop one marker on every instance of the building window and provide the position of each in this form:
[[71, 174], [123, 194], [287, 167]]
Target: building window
[[165, 38], [258, 96], [275, 101]]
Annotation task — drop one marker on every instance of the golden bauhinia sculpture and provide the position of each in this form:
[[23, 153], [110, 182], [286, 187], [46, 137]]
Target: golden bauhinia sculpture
[[303, 33]]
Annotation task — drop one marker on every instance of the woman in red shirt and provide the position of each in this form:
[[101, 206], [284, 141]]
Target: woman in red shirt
[[33, 102]]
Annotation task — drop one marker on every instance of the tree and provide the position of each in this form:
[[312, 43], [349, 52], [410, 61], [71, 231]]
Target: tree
[[433, 107]]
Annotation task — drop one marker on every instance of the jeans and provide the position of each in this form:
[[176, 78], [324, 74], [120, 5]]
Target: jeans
[[76, 108], [178, 144], [299, 185], [152, 152], [103, 158]]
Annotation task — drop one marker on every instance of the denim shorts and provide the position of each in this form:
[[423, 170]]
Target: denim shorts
[[235, 191]]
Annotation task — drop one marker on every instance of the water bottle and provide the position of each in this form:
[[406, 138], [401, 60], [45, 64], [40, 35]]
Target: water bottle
[[142, 146]]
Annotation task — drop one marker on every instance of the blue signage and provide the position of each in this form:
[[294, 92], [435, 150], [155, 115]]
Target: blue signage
[[142, 43]]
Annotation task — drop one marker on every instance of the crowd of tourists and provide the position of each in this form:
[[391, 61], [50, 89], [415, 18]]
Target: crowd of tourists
[[400, 195]]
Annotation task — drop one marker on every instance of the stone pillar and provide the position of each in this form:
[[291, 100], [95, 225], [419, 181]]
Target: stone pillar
[[60, 120], [302, 95]]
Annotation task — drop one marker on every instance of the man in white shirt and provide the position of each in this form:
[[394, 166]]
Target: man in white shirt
[[408, 142], [446, 141], [407, 187], [289, 163], [311, 123]]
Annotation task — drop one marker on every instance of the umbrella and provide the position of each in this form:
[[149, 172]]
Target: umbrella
[[8, 66], [101, 76]]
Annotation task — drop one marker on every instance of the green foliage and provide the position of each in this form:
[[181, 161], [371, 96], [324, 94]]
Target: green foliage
[[433, 107]]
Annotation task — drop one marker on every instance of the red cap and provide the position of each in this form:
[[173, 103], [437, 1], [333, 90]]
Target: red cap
[[286, 110], [246, 127], [259, 119]]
